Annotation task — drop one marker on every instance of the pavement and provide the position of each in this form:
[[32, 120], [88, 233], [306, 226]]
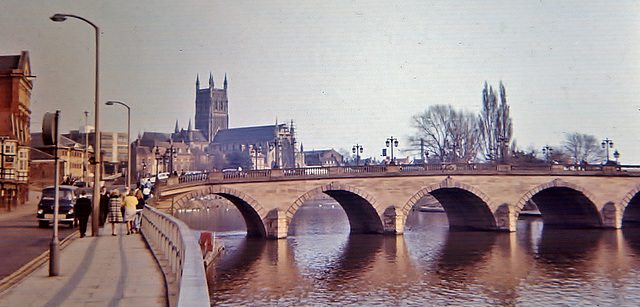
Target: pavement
[[94, 271]]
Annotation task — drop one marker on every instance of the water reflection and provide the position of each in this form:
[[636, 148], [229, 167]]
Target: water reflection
[[320, 264], [238, 264]]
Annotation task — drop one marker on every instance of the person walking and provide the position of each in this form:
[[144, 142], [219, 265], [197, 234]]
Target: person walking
[[104, 206], [82, 208], [129, 203], [137, 221], [115, 213]]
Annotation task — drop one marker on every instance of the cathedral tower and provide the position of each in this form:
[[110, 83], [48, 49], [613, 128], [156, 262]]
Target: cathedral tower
[[212, 112]]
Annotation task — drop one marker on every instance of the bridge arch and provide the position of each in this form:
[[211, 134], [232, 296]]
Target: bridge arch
[[630, 207], [466, 207], [362, 210], [251, 210], [563, 204]]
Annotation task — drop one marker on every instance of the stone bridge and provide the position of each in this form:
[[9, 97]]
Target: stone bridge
[[377, 199]]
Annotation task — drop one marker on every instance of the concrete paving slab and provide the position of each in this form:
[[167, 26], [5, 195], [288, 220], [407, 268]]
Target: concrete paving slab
[[95, 271]]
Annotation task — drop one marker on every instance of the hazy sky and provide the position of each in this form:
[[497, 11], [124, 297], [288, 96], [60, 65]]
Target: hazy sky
[[345, 72]]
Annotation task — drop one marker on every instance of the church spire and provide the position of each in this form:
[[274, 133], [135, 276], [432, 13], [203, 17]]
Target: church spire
[[197, 82], [210, 80], [225, 81], [176, 129]]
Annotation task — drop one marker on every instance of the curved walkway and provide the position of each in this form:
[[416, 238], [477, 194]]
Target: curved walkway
[[95, 271]]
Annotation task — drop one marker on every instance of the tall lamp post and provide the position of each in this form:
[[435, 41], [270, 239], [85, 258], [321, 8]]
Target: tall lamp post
[[607, 143], [547, 152], [256, 150], [171, 152], [158, 156], [277, 145], [110, 103], [357, 149], [86, 146], [391, 142], [95, 212]]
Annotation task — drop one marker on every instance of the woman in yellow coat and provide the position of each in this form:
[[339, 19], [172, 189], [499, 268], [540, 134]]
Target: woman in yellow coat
[[129, 203]]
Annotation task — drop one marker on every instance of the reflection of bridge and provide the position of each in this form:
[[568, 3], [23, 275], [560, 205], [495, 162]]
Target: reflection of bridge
[[377, 199]]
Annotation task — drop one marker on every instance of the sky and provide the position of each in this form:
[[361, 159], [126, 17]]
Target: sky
[[345, 72]]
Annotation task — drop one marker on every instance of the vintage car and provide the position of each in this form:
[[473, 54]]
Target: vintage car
[[67, 199]]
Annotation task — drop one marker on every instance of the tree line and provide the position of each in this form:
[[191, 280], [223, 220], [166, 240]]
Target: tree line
[[447, 135]]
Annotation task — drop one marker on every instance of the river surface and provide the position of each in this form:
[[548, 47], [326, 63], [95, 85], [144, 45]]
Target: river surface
[[320, 264]]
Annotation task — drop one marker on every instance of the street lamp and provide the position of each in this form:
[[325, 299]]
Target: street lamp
[[547, 152], [110, 103], [158, 156], [95, 213], [357, 149], [616, 155], [607, 143], [86, 146], [277, 145], [391, 142], [256, 150], [171, 152]]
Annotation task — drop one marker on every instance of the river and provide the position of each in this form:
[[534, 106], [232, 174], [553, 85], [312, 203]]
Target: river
[[321, 264]]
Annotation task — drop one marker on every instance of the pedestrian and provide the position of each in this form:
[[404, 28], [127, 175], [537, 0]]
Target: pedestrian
[[129, 204], [82, 209], [104, 206], [115, 213], [140, 196], [137, 221]]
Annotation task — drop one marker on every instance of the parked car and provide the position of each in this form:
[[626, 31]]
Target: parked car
[[67, 199]]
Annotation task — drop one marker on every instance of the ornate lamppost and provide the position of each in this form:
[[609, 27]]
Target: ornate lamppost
[[255, 151], [547, 152], [171, 153], [607, 143], [357, 149], [392, 142], [157, 156], [277, 145]]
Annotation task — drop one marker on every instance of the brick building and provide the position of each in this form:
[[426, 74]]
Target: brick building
[[16, 84]]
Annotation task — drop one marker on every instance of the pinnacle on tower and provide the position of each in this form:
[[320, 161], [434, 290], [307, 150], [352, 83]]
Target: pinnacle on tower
[[197, 82], [210, 80], [225, 81], [176, 129]]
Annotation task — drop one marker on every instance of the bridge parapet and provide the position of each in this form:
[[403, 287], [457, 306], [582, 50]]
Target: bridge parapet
[[394, 170]]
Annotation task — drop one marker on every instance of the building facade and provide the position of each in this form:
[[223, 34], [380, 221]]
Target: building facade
[[272, 146], [113, 146], [72, 159], [16, 84]]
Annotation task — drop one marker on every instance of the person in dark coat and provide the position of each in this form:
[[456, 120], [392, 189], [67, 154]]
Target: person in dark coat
[[104, 206], [82, 209]]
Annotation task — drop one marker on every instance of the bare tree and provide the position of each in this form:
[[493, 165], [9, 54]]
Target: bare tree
[[495, 124], [448, 135], [583, 148]]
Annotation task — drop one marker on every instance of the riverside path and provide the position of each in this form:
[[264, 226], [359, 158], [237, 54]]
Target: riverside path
[[94, 271]]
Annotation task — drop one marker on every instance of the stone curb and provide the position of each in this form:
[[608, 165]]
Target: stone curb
[[24, 271]]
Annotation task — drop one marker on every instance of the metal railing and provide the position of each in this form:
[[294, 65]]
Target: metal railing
[[171, 240]]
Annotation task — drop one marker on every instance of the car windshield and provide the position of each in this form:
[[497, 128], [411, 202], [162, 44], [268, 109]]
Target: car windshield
[[64, 194]]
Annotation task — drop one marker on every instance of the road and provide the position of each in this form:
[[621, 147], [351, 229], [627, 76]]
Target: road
[[21, 240]]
